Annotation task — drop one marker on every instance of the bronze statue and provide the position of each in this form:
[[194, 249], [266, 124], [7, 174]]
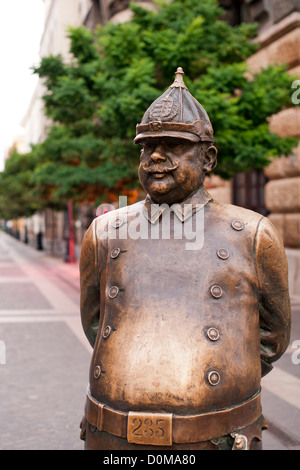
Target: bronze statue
[[184, 300]]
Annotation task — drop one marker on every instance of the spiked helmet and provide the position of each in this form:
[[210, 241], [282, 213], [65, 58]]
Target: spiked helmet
[[176, 113]]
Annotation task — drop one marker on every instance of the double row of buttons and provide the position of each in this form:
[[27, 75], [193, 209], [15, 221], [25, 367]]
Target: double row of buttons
[[213, 376], [114, 290], [236, 224], [212, 333], [216, 291], [112, 293], [105, 334]]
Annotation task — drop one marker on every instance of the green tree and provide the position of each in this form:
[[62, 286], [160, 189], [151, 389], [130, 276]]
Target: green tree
[[17, 193], [96, 100]]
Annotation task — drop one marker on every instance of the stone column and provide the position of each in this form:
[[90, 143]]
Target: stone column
[[282, 192], [281, 44]]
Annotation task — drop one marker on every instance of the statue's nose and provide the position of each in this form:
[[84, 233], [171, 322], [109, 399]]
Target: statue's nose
[[158, 156]]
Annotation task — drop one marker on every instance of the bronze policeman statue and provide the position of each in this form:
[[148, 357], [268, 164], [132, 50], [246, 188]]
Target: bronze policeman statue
[[183, 299]]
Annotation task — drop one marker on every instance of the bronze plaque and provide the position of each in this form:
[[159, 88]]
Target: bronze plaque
[[150, 428]]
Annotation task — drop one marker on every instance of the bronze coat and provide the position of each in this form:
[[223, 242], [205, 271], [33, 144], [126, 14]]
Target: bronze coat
[[148, 306]]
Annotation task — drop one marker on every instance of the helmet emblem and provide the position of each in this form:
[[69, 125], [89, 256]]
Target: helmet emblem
[[164, 110]]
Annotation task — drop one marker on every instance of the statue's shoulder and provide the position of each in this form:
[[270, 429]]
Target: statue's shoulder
[[238, 216], [247, 226]]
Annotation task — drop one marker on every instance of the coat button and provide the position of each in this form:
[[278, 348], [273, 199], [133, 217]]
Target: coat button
[[117, 222], [106, 331], [97, 372], [237, 225], [115, 253], [216, 291], [223, 253], [213, 334], [113, 292], [213, 377]]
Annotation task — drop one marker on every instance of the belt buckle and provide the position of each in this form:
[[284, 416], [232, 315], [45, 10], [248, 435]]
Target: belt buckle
[[149, 428]]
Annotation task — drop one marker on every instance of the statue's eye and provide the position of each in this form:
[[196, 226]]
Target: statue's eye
[[177, 145], [148, 148]]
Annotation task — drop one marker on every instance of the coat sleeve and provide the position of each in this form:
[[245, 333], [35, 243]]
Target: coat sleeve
[[274, 301], [89, 284]]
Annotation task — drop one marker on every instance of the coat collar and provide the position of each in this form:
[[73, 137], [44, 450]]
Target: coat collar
[[183, 211]]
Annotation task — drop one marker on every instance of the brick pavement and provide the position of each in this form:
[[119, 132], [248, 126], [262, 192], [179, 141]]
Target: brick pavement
[[44, 379]]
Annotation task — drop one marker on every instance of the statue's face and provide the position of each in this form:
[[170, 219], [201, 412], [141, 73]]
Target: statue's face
[[172, 168]]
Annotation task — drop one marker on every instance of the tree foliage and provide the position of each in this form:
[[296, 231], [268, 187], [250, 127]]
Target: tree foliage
[[17, 193], [96, 99]]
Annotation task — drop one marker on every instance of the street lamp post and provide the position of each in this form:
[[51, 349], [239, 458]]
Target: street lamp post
[[70, 249]]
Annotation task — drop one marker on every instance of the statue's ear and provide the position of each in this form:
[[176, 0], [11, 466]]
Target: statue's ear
[[210, 159]]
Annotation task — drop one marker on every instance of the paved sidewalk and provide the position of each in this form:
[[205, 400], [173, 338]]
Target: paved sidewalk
[[281, 393], [43, 382]]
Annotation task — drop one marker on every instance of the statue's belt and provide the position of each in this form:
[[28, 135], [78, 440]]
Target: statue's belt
[[163, 429]]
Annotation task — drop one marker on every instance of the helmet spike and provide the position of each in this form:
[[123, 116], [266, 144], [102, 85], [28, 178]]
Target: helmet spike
[[178, 82]]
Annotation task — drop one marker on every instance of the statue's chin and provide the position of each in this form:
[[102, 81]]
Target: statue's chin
[[159, 186]]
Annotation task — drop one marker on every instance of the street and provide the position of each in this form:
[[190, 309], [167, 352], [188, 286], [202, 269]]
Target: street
[[45, 357]]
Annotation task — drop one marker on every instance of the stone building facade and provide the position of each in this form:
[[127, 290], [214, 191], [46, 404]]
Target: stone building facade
[[274, 191], [280, 43]]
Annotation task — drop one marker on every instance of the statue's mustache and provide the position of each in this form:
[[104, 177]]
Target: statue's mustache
[[154, 168]]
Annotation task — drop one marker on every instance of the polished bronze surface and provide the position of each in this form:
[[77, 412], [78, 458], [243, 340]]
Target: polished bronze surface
[[180, 326]]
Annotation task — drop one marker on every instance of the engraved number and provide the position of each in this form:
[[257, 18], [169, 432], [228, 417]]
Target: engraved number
[[134, 431], [160, 431], [148, 428], [148, 431]]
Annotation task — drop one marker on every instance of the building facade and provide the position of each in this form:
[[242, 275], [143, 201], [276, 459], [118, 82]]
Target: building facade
[[274, 191], [50, 230]]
